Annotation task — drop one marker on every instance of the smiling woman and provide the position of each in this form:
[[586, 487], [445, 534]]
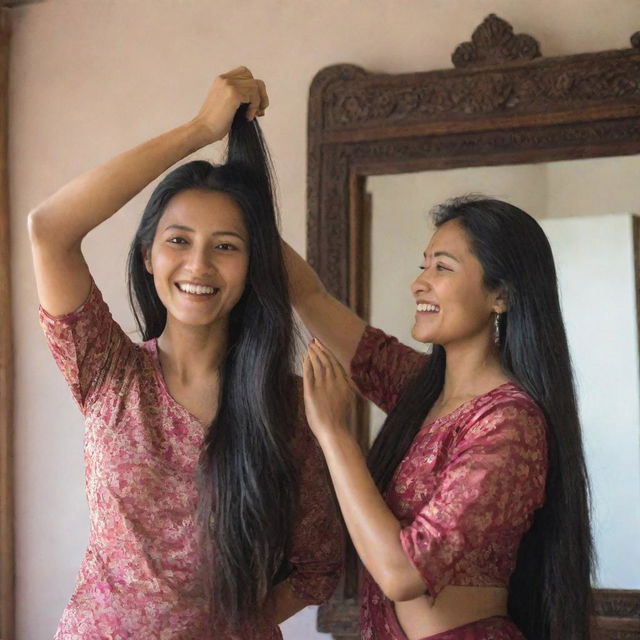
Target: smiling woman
[[210, 513]]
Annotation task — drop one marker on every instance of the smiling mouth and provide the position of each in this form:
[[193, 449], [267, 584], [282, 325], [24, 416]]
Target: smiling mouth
[[424, 307], [196, 289]]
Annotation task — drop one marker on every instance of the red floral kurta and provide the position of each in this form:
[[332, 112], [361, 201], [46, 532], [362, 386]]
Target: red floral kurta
[[139, 576], [465, 492]]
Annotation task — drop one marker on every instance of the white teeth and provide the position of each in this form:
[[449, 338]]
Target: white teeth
[[423, 306], [198, 289]]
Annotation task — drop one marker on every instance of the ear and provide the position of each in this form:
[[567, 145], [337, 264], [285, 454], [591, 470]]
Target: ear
[[146, 258], [500, 300]]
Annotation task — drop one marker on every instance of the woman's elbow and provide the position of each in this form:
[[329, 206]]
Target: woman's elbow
[[400, 586], [46, 232], [36, 223]]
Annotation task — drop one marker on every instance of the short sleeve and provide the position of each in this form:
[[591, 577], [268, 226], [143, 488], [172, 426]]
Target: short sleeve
[[86, 344], [382, 367], [317, 541], [469, 531]]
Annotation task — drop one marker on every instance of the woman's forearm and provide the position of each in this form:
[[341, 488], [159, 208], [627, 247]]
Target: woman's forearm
[[324, 316], [373, 528]]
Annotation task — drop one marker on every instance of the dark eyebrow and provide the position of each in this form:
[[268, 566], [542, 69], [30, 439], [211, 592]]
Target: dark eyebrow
[[182, 227], [437, 254]]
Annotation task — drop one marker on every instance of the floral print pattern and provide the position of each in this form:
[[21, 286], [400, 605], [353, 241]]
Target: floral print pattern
[[465, 492], [139, 576]]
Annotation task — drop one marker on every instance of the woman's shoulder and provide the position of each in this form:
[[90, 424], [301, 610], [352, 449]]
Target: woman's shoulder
[[375, 340], [505, 396], [506, 409]]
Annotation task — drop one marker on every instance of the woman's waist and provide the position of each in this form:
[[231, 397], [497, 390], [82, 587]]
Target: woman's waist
[[454, 606]]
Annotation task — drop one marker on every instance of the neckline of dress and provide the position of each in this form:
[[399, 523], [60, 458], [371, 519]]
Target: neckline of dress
[[157, 365], [471, 401]]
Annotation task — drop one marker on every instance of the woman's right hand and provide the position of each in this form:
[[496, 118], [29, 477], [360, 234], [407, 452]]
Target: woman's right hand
[[229, 91]]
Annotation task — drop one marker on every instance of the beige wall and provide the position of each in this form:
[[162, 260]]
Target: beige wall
[[91, 77]]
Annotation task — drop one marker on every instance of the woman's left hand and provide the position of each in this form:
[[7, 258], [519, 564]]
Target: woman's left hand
[[328, 396]]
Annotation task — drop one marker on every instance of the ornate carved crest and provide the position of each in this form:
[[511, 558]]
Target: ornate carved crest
[[494, 42], [501, 76]]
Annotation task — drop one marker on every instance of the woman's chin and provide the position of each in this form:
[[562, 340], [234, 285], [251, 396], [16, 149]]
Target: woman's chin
[[418, 333]]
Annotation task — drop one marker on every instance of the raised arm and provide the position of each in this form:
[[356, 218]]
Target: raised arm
[[58, 225], [334, 324]]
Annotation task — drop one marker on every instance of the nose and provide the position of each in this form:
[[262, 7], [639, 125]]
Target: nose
[[199, 261], [421, 284]]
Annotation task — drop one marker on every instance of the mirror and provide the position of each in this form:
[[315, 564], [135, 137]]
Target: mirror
[[377, 140]]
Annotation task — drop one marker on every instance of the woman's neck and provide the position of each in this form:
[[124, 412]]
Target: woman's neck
[[193, 352], [473, 368]]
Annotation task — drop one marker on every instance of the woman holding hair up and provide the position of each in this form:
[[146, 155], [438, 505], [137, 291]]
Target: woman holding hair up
[[210, 514], [471, 513]]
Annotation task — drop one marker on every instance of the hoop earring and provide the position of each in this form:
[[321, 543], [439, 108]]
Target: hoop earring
[[496, 333]]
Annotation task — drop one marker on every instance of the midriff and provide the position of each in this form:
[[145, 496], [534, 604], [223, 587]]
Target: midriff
[[453, 607]]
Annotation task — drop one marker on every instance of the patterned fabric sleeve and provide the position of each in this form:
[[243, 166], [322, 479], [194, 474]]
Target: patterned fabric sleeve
[[317, 544], [382, 367], [485, 498], [85, 344]]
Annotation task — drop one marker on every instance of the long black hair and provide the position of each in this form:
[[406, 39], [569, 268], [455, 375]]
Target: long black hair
[[549, 591], [246, 476]]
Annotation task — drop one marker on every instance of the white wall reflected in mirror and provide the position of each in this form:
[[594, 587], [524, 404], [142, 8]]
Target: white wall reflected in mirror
[[578, 204]]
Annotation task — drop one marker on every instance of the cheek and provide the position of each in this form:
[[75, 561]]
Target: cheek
[[465, 299], [158, 262], [241, 271], [163, 265]]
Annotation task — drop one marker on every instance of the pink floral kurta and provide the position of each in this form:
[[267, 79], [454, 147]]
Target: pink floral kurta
[[465, 492], [139, 576]]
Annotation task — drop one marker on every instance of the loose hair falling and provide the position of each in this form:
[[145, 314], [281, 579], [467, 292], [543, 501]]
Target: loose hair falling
[[246, 475], [550, 589]]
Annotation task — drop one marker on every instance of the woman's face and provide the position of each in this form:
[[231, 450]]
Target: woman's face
[[199, 257], [452, 303]]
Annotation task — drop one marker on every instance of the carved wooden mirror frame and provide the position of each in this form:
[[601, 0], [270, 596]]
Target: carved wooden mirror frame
[[501, 104]]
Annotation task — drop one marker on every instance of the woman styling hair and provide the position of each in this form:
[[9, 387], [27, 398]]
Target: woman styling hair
[[471, 518], [210, 513]]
